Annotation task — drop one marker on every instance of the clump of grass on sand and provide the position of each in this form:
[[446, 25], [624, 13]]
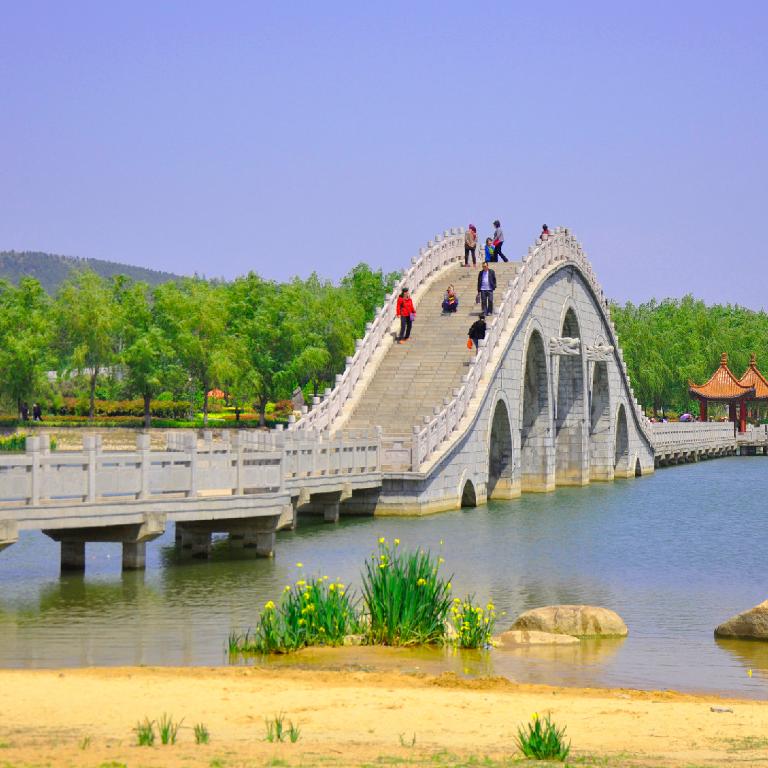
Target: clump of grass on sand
[[541, 739]]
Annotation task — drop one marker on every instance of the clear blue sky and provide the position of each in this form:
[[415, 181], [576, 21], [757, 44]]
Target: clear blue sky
[[288, 137]]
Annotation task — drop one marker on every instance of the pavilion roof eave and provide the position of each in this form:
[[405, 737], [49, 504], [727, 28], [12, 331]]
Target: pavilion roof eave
[[753, 378], [722, 386]]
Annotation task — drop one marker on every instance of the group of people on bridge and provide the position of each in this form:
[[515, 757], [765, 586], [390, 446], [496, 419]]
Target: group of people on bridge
[[486, 285]]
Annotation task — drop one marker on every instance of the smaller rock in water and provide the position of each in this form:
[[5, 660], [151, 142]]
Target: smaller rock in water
[[576, 620], [749, 625], [532, 637]]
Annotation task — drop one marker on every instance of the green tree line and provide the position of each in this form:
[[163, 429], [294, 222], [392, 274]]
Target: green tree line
[[115, 338], [667, 343]]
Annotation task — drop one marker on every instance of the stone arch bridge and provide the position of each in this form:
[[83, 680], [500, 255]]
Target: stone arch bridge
[[545, 402], [410, 428]]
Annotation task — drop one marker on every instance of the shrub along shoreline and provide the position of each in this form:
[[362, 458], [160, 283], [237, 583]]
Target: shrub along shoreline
[[405, 601]]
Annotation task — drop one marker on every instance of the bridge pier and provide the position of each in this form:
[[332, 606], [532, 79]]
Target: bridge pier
[[134, 555], [72, 555], [133, 537], [197, 542], [9, 533], [256, 533]]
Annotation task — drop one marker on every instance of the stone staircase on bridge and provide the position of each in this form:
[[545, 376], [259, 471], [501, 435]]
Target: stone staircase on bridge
[[414, 377]]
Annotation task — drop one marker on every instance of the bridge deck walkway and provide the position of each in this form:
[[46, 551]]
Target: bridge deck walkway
[[415, 377]]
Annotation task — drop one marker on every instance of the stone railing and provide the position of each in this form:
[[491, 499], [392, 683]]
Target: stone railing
[[691, 435], [239, 464], [560, 248], [439, 253]]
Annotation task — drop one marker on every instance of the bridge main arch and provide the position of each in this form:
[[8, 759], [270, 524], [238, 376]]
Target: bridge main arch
[[601, 444], [536, 470], [572, 467]]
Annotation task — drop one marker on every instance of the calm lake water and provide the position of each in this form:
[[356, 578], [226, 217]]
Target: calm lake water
[[674, 554]]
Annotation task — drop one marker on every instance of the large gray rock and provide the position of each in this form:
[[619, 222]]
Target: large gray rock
[[576, 620], [532, 637], [751, 624]]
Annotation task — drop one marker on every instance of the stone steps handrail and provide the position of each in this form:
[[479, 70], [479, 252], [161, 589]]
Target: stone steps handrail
[[561, 246], [439, 253]]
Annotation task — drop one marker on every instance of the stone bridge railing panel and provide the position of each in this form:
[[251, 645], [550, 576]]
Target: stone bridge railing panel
[[246, 463], [691, 436]]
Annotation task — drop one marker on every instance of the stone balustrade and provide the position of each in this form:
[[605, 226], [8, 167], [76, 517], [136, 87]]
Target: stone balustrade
[[439, 253], [247, 484], [677, 442]]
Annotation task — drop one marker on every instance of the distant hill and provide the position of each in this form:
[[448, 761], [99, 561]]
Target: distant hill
[[52, 270]]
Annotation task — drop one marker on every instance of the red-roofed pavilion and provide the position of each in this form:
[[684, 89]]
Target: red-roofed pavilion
[[724, 387], [753, 378]]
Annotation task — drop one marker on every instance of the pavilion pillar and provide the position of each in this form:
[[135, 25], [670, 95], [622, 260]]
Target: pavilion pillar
[[702, 409], [732, 412], [742, 415]]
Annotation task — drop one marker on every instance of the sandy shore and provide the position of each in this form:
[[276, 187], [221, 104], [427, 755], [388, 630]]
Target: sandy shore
[[85, 717]]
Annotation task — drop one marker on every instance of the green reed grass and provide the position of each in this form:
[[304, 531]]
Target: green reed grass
[[168, 728], [541, 739], [406, 599], [473, 624], [310, 612], [202, 736], [277, 730], [145, 732]]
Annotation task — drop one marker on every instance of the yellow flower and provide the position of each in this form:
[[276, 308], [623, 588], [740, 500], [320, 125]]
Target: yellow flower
[[381, 565], [287, 588], [381, 539], [269, 606], [397, 542], [332, 588], [535, 716], [299, 565], [440, 560], [302, 622], [441, 542], [421, 582], [490, 606]]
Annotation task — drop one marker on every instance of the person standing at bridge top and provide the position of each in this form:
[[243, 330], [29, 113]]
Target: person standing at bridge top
[[498, 240], [544, 232], [406, 312], [486, 285], [470, 245]]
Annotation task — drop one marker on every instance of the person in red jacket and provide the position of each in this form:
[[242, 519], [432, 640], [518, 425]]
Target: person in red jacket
[[406, 313]]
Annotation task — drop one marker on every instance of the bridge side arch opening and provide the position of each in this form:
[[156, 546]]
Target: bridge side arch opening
[[534, 428], [468, 495], [621, 450], [500, 455], [571, 467]]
